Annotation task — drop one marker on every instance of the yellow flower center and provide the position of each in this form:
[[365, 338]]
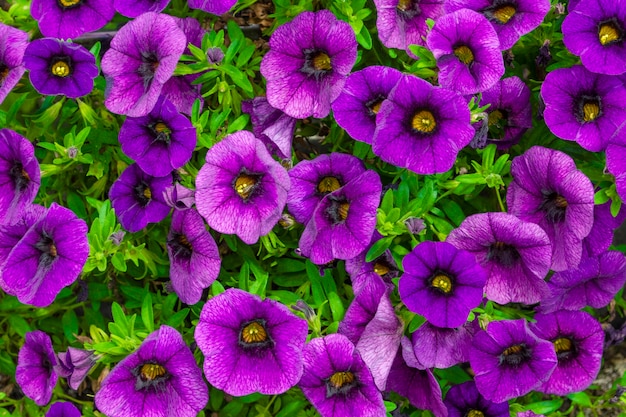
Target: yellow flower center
[[513, 350], [609, 33], [53, 250], [151, 371], [341, 379], [343, 210], [380, 268], [464, 54], [495, 117], [60, 69], [475, 413], [504, 13], [375, 108], [182, 240], [404, 5], [560, 202], [321, 62], [147, 193], [424, 121], [4, 72], [161, 127], [328, 185], [562, 344], [254, 333], [591, 110], [69, 3], [442, 282], [244, 184]]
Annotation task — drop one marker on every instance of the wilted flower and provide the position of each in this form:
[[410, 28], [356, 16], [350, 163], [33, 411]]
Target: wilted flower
[[308, 62], [271, 126], [34, 373], [13, 42], [71, 18], [74, 365], [159, 379], [250, 345]]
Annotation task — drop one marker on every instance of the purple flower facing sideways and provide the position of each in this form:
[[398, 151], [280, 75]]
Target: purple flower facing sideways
[[516, 255], [336, 380], [464, 400], [142, 57], [509, 360], [437, 347], [467, 51], [362, 272], [312, 180], [12, 232], [57, 67], [604, 224], [194, 257], [159, 379], [138, 198], [616, 160], [401, 23], [212, 6], [594, 30], [358, 104], [250, 345], [240, 189], [63, 409], [13, 43], [421, 127], [442, 283], [578, 339], [71, 18], [584, 107], [159, 142], [74, 365], [34, 373], [510, 18], [19, 174], [134, 8], [594, 283], [308, 62], [180, 197], [50, 256], [271, 126]]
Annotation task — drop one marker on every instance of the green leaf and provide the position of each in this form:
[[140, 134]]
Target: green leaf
[[378, 248], [69, 320], [120, 320], [581, 398], [178, 318], [387, 204], [147, 313], [119, 262], [600, 197], [453, 211], [546, 407], [19, 325]]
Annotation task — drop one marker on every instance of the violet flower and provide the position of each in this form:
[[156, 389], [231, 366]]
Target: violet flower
[[250, 345], [34, 373], [180, 197], [74, 365], [63, 409], [604, 224], [159, 379], [71, 18], [308, 62], [13, 43], [57, 67], [362, 272], [212, 6], [271, 126], [437, 347], [464, 400], [134, 8]]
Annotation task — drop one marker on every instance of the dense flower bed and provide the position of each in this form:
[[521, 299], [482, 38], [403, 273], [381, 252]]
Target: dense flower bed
[[335, 208]]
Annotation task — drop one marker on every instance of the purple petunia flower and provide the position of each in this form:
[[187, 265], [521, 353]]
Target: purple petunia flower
[[421, 127], [71, 18], [578, 339], [343, 222], [464, 400], [437, 347], [194, 258], [509, 360], [509, 114], [356, 107], [240, 189], [308, 62], [57, 67], [159, 379], [180, 197], [13, 43], [312, 180], [212, 6], [594, 30], [134, 8], [594, 283], [510, 18], [362, 272], [138, 198], [604, 224], [548, 190], [50, 256], [516, 255], [337, 381], [250, 345], [271, 126], [34, 373], [467, 50], [142, 57], [74, 364], [159, 142], [442, 283], [401, 23], [63, 409], [584, 107], [19, 174]]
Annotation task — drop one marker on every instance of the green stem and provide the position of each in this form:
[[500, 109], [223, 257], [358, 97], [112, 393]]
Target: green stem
[[500, 202]]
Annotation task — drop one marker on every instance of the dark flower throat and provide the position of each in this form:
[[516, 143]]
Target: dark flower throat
[[340, 383], [254, 335], [515, 355]]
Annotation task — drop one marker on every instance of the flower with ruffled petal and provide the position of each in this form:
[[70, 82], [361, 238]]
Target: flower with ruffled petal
[[308, 62], [464, 400], [240, 189], [159, 379], [13, 43], [142, 57], [34, 373], [604, 224], [71, 18], [63, 409], [271, 125], [250, 345], [549, 190], [212, 6], [362, 272], [74, 365], [467, 50], [134, 8], [437, 347]]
